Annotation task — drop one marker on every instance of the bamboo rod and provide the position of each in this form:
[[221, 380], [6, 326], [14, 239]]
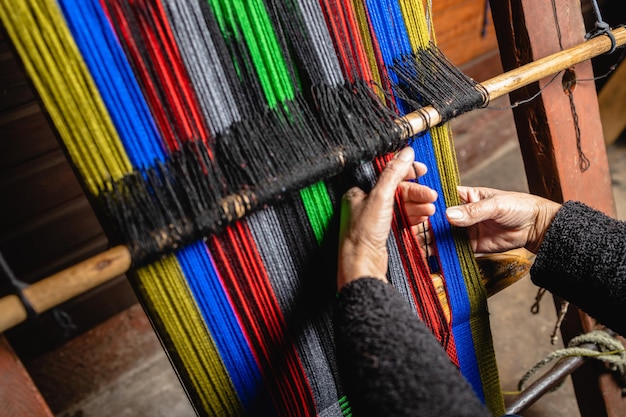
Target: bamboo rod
[[425, 118], [62, 286]]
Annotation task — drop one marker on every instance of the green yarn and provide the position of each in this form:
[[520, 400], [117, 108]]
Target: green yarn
[[319, 208], [248, 21]]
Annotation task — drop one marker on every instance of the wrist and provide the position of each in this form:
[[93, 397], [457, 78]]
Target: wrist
[[352, 268], [545, 215]]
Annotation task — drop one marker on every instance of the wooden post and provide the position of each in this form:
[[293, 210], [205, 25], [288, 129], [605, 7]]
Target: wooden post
[[528, 30], [18, 394]]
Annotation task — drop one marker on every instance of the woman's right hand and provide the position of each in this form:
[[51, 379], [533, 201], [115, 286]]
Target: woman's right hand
[[498, 221]]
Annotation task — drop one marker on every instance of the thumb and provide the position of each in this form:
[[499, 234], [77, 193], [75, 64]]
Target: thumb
[[469, 214], [354, 196]]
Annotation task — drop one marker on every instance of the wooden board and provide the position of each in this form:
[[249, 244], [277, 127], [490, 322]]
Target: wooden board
[[18, 396], [464, 29]]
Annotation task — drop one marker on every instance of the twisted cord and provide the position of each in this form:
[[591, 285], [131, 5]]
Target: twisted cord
[[609, 350]]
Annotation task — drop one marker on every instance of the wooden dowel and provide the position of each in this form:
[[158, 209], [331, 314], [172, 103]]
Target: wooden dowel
[[62, 286], [58, 288], [422, 120]]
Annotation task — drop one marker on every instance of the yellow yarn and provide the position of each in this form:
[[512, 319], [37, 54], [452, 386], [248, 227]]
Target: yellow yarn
[[69, 94], [361, 17], [58, 72], [165, 293]]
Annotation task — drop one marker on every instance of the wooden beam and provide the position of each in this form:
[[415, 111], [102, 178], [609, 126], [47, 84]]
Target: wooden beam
[[65, 285], [527, 31], [19, 396]]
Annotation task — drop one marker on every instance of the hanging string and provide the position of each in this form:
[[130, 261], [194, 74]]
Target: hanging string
[[163, 290], [583, 161], [601, 27], [63, 82], [17, 288], [246, 280], [463, 276]]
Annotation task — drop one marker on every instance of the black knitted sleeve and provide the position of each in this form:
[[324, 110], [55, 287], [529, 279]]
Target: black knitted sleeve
[[583, 260], [390, 364]]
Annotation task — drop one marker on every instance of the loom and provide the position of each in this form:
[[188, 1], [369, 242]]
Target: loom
[[224, 252]]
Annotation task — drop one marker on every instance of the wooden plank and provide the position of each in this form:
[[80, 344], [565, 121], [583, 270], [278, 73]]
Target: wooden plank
[[612, 102], [463, 31], [527, 31], [91, 363], [56, 233], [26, 135], [36, 186], [13, 84], [19, 395]]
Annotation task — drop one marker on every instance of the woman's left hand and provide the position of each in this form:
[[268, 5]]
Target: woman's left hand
[[366, 219]]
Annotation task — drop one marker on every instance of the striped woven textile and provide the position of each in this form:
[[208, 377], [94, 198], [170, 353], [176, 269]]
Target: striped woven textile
[[215, 139]]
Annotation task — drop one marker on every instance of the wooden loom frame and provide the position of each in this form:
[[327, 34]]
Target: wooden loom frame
[[526, 31], [524, 40]]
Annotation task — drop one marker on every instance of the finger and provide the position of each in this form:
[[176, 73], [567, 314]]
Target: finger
[[422, 214], [471, 213], [423, 227], [411, 192], [354, 196], [419, 169], [349, 202], [424, 237], [394, 173], [473, 194]]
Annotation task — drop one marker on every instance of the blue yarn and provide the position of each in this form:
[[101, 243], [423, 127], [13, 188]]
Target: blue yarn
[[115, 81], [390, 30], [203, 280]]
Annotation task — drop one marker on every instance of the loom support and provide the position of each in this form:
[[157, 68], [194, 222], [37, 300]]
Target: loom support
[[60, 287], [427, 117], [64, 285], [502, 269], [548, 381]]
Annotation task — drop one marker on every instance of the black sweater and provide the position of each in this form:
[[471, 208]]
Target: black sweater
[[390, 363]]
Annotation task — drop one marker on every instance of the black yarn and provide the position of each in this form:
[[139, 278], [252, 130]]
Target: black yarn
[[258, 160], [428, 78]]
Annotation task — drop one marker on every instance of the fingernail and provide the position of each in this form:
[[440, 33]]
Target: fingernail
[[454, 213], [405, 155]]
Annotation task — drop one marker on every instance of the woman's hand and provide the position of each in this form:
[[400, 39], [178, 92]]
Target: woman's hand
[[498, 221], [366, 219]]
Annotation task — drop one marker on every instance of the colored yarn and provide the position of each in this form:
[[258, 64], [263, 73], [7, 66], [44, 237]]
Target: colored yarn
[[183, 117]]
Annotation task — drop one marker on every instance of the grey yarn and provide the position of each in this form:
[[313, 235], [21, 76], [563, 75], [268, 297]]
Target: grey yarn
[[268, 232], [202, 61], [324, 48]]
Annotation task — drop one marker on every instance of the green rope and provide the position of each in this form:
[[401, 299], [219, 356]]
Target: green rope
[[610, 351]]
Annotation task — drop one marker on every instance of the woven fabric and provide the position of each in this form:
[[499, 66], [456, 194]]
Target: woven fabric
[[186, 120]]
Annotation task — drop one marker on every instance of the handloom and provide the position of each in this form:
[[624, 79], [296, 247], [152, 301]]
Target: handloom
[[200, 102]]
